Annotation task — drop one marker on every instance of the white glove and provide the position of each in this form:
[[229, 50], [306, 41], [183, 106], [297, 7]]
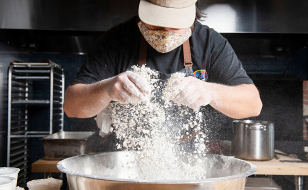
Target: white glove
[[103, 121], [128, 87], [192, 92]]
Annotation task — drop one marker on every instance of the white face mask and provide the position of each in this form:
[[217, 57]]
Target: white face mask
[[163, 41]]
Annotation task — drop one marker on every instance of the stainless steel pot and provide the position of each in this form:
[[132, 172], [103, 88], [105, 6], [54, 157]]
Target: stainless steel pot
[[121, 171], [253, 140]]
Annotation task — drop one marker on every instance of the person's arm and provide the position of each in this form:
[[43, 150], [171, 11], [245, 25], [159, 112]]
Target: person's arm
[[87, 100], [237, 102]]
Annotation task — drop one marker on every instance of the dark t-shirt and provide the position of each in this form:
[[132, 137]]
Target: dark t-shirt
[[118, 49]]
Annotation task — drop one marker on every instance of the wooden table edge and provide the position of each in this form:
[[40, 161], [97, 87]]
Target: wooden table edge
[[45, 166]]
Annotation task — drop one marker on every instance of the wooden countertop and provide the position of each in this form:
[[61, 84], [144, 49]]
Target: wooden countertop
[[45, 166], [276, 167], [272, 167]]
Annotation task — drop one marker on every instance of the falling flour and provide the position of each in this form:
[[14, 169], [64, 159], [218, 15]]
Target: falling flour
[[160, 131]]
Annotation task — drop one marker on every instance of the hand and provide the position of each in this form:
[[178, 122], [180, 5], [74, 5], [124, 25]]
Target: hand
[[192, 92], [127, 86]]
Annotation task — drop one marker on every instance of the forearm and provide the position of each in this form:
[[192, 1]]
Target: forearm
[[237, 102], [86, 100]]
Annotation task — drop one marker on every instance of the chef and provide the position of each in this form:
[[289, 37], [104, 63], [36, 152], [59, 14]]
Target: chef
[[167, 37]]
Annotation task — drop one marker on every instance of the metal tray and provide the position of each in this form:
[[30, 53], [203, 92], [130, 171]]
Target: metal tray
[[66, 144]]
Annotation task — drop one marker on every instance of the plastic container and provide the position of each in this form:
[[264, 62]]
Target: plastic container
[[45, 184], [7, 183], [10, 172]]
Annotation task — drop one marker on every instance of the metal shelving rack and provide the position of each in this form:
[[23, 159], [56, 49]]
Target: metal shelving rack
[[20, 86]]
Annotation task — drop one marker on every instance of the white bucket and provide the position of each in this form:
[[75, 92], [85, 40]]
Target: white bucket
[[45, 184], [10, 172], [7, 183]]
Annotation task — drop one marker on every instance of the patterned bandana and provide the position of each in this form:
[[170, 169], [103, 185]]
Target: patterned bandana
[[163, 41]]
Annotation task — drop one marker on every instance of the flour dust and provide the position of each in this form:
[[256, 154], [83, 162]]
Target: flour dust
[[161, 132]]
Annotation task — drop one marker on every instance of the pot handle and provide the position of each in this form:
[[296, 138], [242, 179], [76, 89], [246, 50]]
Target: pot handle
[[258, 126]]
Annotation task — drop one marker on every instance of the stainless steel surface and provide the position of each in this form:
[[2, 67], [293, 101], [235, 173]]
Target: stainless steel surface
[[238, 16], [253, 139], [94, 15], [30, 101], [299, 182], [65, 144], [51, 76], [31, 78], [261, 183], [69, 135], [20, 78], [254, 16], [121, 170]]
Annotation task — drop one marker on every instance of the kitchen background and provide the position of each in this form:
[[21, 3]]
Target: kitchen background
[[269, 37]]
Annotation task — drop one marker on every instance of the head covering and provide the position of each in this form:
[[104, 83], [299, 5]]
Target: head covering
[[168, 13]]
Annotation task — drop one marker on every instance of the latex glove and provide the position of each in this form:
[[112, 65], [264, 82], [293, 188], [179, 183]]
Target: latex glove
[[127, 87], [103, 121], [192, 92]]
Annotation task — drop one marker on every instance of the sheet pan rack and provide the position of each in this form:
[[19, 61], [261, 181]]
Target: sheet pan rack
[[21, 101]]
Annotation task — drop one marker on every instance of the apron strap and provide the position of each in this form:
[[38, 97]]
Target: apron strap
[[142, 52], [187, 55], [186, 52]]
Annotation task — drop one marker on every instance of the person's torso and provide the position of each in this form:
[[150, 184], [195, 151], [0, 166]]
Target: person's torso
[[127, 45]]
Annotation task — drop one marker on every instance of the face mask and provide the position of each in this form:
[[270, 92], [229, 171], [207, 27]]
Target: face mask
[[163, 41]]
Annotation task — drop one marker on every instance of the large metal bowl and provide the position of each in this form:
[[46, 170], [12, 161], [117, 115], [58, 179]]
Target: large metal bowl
[[121, 170]]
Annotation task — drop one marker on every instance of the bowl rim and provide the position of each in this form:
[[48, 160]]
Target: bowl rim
[[251, 121], [63, 169]]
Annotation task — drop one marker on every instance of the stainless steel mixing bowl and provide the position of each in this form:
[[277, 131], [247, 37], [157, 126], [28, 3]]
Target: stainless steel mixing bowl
[[122, 171]]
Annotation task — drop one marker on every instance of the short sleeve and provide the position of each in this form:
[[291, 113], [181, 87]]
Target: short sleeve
[[225, 66], [97, 66]]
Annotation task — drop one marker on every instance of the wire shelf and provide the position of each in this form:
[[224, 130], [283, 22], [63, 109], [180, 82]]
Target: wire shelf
[[21, 78]]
